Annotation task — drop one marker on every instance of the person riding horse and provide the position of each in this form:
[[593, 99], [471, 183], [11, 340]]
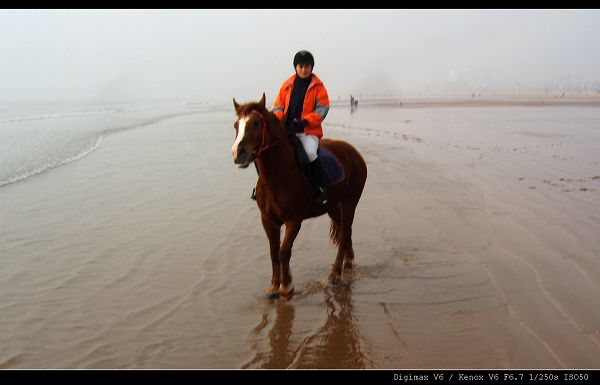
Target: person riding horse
[[283, 196], [302, 104]]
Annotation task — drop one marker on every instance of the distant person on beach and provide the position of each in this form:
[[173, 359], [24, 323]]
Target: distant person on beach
[[301, 105], [353, 104]]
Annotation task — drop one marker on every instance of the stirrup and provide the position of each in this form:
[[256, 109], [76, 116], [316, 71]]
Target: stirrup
[[321, 196], [253, 196]]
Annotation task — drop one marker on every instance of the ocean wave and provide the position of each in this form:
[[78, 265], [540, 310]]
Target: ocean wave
[[68, 158], [55, 115], [56, 163]]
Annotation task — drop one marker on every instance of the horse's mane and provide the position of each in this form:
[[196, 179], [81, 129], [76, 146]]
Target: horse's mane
[[271, 118]]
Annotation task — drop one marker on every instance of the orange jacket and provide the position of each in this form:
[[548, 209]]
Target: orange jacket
[[314, 109]]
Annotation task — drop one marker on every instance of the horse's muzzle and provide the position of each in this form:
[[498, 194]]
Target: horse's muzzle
[[243, 158]]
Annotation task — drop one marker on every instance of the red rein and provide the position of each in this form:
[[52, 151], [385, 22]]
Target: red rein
[[263, 147]]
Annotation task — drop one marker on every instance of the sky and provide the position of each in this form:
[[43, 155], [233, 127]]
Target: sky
[[54, 55]]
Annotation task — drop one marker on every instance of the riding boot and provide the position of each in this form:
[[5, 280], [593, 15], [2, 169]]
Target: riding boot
[[318, 179]]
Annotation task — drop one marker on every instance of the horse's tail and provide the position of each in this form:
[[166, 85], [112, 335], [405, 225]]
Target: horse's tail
[[334, 232]]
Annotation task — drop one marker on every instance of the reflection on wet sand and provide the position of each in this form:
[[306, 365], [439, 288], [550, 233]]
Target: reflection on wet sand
[[289, 343]]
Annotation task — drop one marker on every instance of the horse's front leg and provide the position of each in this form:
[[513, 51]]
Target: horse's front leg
[[286, 288], [273, 230]]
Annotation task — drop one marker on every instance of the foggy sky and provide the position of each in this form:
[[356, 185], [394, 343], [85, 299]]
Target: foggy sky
[[52, 55]]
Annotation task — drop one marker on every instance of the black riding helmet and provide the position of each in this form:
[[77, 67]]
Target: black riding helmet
[[304, 57]]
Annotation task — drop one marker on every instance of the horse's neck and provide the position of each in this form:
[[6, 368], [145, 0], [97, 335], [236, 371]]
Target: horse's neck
[[277, 165]]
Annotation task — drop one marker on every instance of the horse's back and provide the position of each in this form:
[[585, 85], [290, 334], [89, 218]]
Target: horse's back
[[352, 161], [345, 152]]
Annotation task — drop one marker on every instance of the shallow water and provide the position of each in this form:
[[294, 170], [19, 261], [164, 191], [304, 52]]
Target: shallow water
[[148, 252], [39, 137]]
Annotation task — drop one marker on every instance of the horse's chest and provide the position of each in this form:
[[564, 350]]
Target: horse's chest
[[279, 211], [277, 208], [281, 202]]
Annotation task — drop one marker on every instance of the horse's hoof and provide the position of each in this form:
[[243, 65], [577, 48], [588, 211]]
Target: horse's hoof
[[333, 279], [286, 293], [272, 292], [287, 296]]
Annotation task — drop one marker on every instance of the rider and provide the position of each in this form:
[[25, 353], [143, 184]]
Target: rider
[[301, 105]]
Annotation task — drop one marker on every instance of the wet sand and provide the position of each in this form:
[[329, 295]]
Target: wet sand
[[476, 245]]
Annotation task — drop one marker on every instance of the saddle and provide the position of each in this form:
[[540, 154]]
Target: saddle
[[334, 171]]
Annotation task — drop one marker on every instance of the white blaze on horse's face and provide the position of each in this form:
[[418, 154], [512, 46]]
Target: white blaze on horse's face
[[240, 135]]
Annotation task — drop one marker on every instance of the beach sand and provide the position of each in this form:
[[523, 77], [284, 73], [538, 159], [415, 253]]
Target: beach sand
[[476, 245]]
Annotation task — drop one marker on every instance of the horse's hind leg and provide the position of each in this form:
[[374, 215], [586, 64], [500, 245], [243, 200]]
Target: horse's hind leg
[[345, 255], [349, 211], [349, 257], [335, 213], [336, 225]]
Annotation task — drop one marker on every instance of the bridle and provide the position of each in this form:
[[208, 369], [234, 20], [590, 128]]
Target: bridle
[[263, 146]]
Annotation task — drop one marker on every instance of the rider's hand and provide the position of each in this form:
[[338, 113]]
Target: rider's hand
[[299, 126]]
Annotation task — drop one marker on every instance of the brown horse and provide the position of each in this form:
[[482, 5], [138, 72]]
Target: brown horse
[[284, 195]]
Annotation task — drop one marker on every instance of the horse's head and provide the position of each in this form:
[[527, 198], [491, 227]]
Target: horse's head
[[249, 135]]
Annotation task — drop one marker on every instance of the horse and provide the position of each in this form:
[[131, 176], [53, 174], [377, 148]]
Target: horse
[[284, 195]]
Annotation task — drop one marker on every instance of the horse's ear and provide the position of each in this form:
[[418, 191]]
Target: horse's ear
[[237, 107], [261, 102]]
